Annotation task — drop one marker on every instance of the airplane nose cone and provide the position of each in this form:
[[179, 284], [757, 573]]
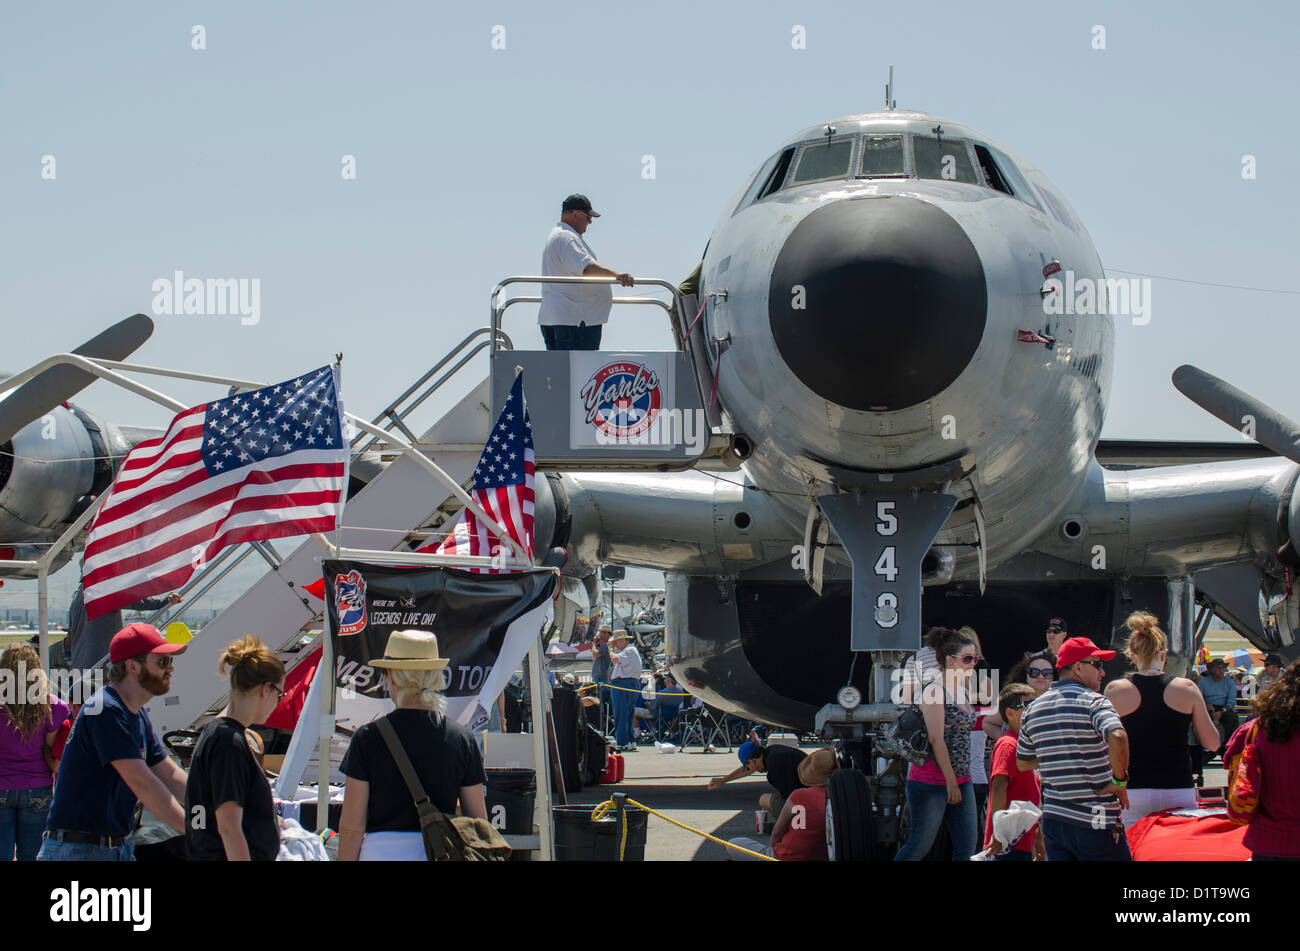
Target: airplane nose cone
[[877, 304]]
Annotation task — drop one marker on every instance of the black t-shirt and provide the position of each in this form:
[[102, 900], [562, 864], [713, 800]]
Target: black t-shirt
[[781, 763], [443, 753], [224, 770]]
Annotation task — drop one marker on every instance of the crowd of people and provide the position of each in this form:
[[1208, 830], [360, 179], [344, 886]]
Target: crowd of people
[[1094, 760], [631, 702], [75, 793]]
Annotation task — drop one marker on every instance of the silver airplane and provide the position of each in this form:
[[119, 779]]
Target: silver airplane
[[918, 414], [914, 379]]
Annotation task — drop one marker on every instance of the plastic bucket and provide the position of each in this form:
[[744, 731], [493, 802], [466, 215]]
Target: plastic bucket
[[578, 839], [510, 797]]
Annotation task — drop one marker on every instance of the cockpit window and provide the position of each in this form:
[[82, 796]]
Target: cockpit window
[[882, 157], [777, 175], [760, 179], [944, 159], [823, 160], [1019, 187]]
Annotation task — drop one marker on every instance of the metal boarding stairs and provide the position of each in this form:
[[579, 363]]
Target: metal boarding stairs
[[402, 504]]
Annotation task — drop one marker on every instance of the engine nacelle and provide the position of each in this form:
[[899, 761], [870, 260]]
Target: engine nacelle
[[51, 470]]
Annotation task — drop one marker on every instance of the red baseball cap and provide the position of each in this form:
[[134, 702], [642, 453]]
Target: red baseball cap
[[1076, 649], [139, 638]]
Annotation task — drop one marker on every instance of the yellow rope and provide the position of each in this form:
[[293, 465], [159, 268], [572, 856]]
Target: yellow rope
[[659, 693], [605, 807]]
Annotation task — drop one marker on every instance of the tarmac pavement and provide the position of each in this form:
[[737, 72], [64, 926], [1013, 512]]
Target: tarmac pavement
[[677, 784]]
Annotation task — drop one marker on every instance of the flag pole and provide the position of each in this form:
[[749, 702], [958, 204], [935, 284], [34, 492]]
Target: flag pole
[[328, 688]]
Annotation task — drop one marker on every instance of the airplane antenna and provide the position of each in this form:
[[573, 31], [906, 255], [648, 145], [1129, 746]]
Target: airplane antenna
[[890, 103]]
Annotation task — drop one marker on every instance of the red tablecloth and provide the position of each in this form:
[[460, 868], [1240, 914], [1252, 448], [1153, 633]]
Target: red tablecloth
[[1187, 835]]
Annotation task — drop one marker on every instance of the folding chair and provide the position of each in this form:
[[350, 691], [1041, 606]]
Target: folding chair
[[704, 726]]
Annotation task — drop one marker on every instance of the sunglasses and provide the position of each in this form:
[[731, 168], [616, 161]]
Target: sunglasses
[[1016, 706], [1040, 671], [969, 659], [278, 692], [164, 661], [1092, 663]]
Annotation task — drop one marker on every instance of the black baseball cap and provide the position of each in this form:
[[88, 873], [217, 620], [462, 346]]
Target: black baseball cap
[[1058, 622], [579, 203]]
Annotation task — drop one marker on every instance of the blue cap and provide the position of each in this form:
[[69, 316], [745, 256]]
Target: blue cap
[[748, 750]]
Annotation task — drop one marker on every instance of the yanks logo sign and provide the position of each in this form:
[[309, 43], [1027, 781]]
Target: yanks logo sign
[[350, 602], [622, 400]]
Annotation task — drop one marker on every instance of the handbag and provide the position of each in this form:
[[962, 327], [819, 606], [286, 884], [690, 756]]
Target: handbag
[[909, 736], [460, 839], [1245, 782]]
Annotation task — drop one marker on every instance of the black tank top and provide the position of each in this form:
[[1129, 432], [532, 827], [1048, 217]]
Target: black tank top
[[1157, 737]]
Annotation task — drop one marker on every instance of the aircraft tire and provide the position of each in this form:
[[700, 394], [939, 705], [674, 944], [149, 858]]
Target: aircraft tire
[[570, 736], [849, 832]]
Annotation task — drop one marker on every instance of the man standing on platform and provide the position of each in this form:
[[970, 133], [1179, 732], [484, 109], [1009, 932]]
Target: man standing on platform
[[572, 315]]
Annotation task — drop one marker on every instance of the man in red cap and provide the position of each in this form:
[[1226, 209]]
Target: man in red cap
[[114, 760], [1073, 737]]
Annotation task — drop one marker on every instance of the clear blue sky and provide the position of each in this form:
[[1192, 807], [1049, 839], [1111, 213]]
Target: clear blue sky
[[225, 162]]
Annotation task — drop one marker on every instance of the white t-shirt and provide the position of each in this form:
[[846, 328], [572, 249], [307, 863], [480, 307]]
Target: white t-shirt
[[627, 663], [567, 305], [978, 739]]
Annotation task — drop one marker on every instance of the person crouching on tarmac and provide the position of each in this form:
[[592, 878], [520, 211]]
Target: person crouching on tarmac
[[800, 831], [780, 763]]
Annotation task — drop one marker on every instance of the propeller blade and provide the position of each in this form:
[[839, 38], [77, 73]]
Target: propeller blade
[[58, 384], [1240, 410]]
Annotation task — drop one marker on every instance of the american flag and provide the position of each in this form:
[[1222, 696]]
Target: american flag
[[264, 464], [503, 487]]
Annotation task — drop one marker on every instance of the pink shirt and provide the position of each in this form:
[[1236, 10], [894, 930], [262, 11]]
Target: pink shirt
[[22, 765]]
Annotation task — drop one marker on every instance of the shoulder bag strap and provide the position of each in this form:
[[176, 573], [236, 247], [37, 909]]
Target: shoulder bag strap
[[429, 813]]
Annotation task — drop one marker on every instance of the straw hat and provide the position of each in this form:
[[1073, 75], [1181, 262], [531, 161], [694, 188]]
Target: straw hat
[[620, 635], [411, 650], [817, 766]]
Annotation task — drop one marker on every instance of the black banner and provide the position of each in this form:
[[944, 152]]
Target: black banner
[[471, 614]]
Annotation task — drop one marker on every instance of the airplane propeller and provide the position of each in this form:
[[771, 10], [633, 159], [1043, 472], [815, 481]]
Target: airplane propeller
[[1240, 410], [58, 384]]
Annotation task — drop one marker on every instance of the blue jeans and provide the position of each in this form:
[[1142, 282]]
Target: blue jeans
[[1068, 842], [55, 850], [928, 807], [624, 705], [580, 337], [22, 821]]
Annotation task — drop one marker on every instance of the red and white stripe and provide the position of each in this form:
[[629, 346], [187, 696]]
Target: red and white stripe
[[166, 515], [510, 505]]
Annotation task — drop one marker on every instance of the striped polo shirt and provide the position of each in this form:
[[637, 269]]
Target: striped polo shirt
[[1065, 730]]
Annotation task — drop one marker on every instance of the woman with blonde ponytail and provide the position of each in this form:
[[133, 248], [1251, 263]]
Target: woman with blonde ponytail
[[1156, 709], [380, 820], [228, 808]]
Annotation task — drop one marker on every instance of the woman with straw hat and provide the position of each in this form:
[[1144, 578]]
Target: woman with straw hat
[[380, 821]]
